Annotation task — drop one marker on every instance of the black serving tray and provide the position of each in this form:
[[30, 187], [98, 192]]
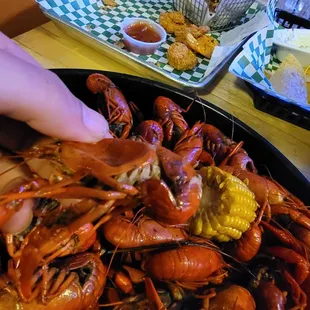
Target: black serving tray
[[289, 20], [280, 108], [143, 93]]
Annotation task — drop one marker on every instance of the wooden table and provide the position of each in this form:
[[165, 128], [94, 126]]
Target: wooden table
[[53, 49]]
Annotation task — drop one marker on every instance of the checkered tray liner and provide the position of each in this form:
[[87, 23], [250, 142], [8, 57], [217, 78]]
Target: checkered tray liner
[[103, 22], [258, 56]]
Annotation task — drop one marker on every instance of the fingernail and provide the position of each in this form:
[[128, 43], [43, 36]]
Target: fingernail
[[96, 124]]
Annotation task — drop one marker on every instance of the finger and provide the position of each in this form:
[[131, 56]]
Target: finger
[[21, 219], [8, 45], [39, 98], [11, 177]]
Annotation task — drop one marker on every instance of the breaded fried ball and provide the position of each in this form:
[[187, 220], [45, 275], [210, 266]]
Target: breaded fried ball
[[177, 17], [181, 57], [171, 21]]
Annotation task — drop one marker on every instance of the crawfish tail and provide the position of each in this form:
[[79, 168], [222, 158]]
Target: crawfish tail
[[186, 264], [124, 234]]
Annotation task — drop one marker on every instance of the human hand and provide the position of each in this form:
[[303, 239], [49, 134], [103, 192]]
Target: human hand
[[34, 98]]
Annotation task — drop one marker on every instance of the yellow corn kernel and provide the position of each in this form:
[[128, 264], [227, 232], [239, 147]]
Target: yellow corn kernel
[[222, 238], [227, 206], [197, 229]]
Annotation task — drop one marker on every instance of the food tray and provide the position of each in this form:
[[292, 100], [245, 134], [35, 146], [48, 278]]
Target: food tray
[[98, 27], [278, 107], [264, 154], [270, 104], [257, 58]]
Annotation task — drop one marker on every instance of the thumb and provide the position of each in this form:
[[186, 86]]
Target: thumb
[[38, 97]]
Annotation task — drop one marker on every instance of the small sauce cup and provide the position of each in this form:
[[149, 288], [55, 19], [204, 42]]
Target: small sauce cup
[[140, 47]]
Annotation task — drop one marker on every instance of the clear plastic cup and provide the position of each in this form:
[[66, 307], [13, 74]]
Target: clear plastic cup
[[139, 47]]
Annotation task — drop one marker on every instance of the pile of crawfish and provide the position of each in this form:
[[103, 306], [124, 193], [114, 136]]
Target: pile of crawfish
[[162, 216]]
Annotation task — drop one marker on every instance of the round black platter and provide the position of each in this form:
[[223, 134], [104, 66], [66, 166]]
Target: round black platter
[[142, 92]]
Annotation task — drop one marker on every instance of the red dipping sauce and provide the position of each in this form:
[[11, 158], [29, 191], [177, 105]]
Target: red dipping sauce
[[143, 32]]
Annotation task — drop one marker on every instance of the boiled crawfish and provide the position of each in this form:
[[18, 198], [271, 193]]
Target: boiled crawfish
[[292, 280], [174, 206], [76, 282], [82, 239], [302, 265], [102, 160], [216, 143], [169, 116], [43, 245], [247, 246], [118, 112], [190, 145], [272, 197], [193, 265], [242, 161], [231, 297], [268, 294], [150, 131], [124, 233]]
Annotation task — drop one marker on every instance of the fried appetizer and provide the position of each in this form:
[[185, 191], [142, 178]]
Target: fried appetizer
[[111, 3], [172, 21], [204, 45], [196, 32], [181, 57]]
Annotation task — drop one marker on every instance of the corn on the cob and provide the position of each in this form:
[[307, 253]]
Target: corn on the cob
[[226, 209], [141, 174]]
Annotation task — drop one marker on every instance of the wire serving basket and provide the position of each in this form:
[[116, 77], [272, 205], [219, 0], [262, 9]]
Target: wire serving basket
[[200, 12]]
